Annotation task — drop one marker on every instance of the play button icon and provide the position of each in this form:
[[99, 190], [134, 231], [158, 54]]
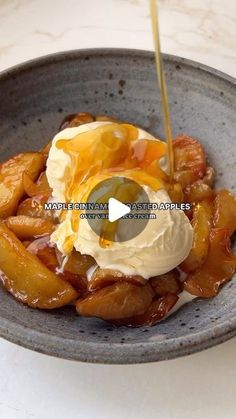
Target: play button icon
[[116, 210], [117, 218]]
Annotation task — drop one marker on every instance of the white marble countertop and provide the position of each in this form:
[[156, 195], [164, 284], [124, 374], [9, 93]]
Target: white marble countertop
[[201, 385]]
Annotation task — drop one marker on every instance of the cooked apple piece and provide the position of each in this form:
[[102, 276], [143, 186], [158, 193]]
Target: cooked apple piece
[[104, 277], [198, 191], [201, 222], [26, 243], [75, 120], [185, 177], [117, 301], [34, 207], [108, 118], [45, 150], [41, 187], [25, 227], [176, 192], [79, 264], [217, 269], [225, 211], [50, 258], [209, 176], [11, 182], [167, 283], [25, 277], [45, 252], [157, 310], [189, 156]]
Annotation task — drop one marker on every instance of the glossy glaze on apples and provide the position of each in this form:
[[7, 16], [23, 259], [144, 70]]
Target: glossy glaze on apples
[[35, 273]]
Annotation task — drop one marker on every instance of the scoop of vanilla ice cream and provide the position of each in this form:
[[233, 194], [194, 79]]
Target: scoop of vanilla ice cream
[[58, 160], [163, 244]]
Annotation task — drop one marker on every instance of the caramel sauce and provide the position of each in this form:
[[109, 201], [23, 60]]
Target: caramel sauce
[[108, 151], [113, 150], [162, 84]]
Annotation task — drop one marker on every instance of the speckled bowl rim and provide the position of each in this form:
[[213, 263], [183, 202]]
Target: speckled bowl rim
[[127, 353]]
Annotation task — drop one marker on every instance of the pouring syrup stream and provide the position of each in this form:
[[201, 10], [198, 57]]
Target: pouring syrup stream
[[162, 84], [86, 152]]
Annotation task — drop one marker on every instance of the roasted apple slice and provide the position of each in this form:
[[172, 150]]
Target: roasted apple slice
[[25, 277], [189, 158], [197, 191], [209, 176], [45, 150], [117, 301], [11, 182], [157, 310], [104, 277], [75, 120], [107, 118], [176, 192], [225, 211], [45, 252], [185, 177], [217, 269], [34, 207], [25, 227], [41, 187], [167, 283], [50, 258], [79, 264], [201, 222]]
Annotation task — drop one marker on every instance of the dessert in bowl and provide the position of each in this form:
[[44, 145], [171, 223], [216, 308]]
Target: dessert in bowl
[[52, 257], [37, 95]]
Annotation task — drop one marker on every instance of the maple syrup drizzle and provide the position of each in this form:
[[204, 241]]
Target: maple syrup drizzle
[[162, 84], [114, 155]]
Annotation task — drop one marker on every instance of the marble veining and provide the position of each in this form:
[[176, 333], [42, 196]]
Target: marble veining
[[203, 30]]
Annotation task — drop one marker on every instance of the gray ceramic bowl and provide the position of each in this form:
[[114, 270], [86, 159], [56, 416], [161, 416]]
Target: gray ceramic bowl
[[34, 98]]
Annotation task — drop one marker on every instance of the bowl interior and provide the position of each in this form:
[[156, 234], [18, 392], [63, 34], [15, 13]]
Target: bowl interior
[[35, 98]]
